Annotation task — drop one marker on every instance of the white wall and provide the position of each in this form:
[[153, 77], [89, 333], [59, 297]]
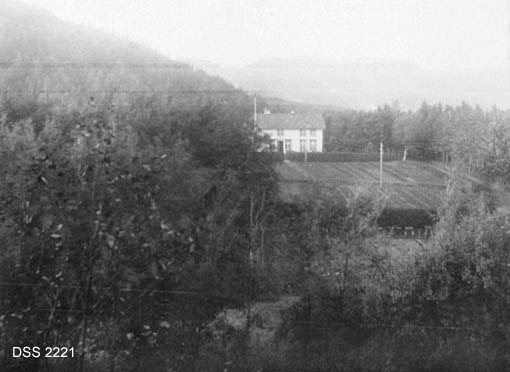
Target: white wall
[[295, 137]]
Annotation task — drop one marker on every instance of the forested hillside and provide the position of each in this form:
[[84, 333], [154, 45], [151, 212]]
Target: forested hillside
[[47, 60]]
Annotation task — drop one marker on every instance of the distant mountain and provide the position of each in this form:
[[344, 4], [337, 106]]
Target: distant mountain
[[30, 34], [367, 83], [43, 57]]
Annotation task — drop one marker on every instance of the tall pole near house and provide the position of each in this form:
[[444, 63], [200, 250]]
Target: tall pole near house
[[255, 112], [380, 164], [46, 89], [254, 117]]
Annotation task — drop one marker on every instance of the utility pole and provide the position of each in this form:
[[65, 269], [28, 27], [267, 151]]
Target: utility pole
[[46, 89], [380, 164], [254, 117], [255, 112]]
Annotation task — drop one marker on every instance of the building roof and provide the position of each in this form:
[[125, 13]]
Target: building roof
[[290, 121]]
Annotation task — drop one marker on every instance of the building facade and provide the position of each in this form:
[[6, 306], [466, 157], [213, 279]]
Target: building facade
[[292, 132]]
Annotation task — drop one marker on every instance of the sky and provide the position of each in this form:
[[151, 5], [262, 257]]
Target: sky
[[434, 34]]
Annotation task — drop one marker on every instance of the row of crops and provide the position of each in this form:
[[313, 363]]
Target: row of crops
[[406, 185]]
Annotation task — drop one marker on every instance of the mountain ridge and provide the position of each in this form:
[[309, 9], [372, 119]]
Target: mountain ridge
[[366, 83], [45, 58]]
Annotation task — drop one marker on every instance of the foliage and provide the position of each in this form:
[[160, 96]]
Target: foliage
[[359, 131], [126, 240], [441, 308], [105, 227], [467, 134]]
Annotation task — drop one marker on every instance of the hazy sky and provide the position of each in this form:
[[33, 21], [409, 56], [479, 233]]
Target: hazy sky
[[439, 34]]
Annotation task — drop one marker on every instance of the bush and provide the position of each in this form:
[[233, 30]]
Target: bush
[[441, 310], [122, 246]]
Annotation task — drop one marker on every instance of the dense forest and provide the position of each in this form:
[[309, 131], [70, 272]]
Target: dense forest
[[471, 136], [135, 207]]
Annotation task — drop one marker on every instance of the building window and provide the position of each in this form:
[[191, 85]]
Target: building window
[[272, 146], [302, 132], [313, 145], [288, 145], [302, 145], [313, 133], [279, 132]]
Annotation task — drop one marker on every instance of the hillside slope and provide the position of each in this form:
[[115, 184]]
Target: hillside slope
[[45, 58]]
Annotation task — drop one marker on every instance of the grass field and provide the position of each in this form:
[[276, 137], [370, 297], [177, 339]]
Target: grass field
[[407, 185]]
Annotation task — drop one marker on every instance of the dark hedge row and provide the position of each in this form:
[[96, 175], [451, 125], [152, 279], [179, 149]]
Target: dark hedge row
[[407, 217], [389, 217], [339, 156]]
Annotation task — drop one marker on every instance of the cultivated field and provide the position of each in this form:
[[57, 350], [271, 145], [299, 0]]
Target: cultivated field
[[409, 185]]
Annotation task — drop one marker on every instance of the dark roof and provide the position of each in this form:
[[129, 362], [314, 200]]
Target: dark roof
[[290, 121]]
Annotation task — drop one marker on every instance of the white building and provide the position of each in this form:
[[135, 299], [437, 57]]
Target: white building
[[293, 132]]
